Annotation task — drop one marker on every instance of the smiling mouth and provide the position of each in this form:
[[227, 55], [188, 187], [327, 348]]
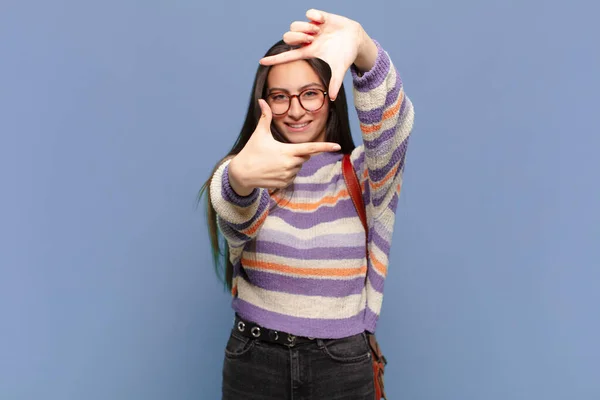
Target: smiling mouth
[[296, 127]]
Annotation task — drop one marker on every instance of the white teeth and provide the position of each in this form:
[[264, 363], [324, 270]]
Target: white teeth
[[298, 125]]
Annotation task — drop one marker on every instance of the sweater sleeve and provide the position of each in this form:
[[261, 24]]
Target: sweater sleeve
[[239, 217], [386, 119]]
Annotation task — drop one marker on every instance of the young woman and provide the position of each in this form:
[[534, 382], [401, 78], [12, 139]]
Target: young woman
[[304, 293]]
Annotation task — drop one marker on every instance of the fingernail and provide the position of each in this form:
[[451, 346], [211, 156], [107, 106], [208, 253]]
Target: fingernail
[[336, 147]]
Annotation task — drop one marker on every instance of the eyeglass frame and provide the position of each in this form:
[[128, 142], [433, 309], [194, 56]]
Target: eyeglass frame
[[291, 96]]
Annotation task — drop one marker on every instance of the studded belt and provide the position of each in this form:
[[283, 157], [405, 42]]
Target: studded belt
[[255, 331]]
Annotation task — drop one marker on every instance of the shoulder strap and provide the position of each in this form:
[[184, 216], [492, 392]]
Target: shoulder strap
[[353, 185]]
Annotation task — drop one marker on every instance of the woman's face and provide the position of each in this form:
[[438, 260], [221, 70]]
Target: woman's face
[[298, 125]]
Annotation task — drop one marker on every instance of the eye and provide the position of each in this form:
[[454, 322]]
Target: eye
[[278, 97], [310, 93]]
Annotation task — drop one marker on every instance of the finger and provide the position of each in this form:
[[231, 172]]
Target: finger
[[291, 55], [295, 38], [301, 159], [266, 116], [311, 148], [298, 160], [317, 16], [334, 84], [306, 27]]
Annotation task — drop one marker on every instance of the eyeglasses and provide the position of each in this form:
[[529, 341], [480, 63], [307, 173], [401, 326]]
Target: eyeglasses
[[310, 99]]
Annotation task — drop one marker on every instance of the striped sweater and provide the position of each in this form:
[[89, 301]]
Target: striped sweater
[[299, 254]]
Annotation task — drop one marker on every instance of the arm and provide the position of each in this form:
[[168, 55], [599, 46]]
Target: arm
[[239, 217], [386, 118]]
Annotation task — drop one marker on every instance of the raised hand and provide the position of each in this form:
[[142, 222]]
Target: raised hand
[[267, 163], [335, 39]]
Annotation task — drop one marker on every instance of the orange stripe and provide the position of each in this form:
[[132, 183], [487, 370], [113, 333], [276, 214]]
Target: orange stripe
[[390, 112], [313, 206], [378, 265], [329, 200], [329, 272], [254, 227], [394, 110], [390, 175]]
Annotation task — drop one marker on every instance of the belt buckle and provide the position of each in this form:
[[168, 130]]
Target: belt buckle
[[291, 340]]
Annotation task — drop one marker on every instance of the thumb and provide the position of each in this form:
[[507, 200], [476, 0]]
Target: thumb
[[334, 84], [266, 115]]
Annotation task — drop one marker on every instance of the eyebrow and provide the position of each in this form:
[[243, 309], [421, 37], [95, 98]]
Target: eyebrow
[[300, 89]]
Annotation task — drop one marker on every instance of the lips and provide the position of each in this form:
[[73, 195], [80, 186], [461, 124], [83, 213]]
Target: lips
[[298, 127]]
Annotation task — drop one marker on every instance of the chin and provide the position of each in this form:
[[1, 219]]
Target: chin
[[311, 135], [301, 138]]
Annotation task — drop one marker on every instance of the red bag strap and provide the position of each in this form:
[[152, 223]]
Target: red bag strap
[[353, 185], [354, 189]]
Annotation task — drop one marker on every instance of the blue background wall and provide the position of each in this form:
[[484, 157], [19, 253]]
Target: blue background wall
[[113, 113]]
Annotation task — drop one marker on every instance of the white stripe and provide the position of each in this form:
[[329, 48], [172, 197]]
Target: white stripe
[[375, 298], [365, 101], [325, 240], [301, 306], [350, 225]]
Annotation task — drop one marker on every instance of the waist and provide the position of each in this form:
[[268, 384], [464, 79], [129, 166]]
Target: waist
[[253, 330]]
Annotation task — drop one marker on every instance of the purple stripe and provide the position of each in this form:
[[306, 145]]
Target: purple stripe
[[305, 286], [375, 76], [319, 161], [342, 209], [315, 253], [230, 195], [237, 267], [316, 187], [375, 115], [377, 201], [231, 233], [262, 208], [376, 280], [379, 241], [380, 227], [393, 202], [389, 133], [397, 157], [311, 327], [381, 143], [360, 160]]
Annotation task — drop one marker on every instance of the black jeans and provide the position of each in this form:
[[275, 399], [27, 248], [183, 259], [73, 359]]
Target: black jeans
[[331, 369]]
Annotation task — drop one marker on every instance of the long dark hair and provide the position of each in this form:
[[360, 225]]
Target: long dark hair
[[337, 131]]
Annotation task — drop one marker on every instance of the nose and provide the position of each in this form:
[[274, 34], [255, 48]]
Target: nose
[[296, 111]]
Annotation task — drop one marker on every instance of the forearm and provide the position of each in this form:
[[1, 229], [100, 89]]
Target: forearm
[[236, 180], [240, 217], [367, 52], [386, 119]]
